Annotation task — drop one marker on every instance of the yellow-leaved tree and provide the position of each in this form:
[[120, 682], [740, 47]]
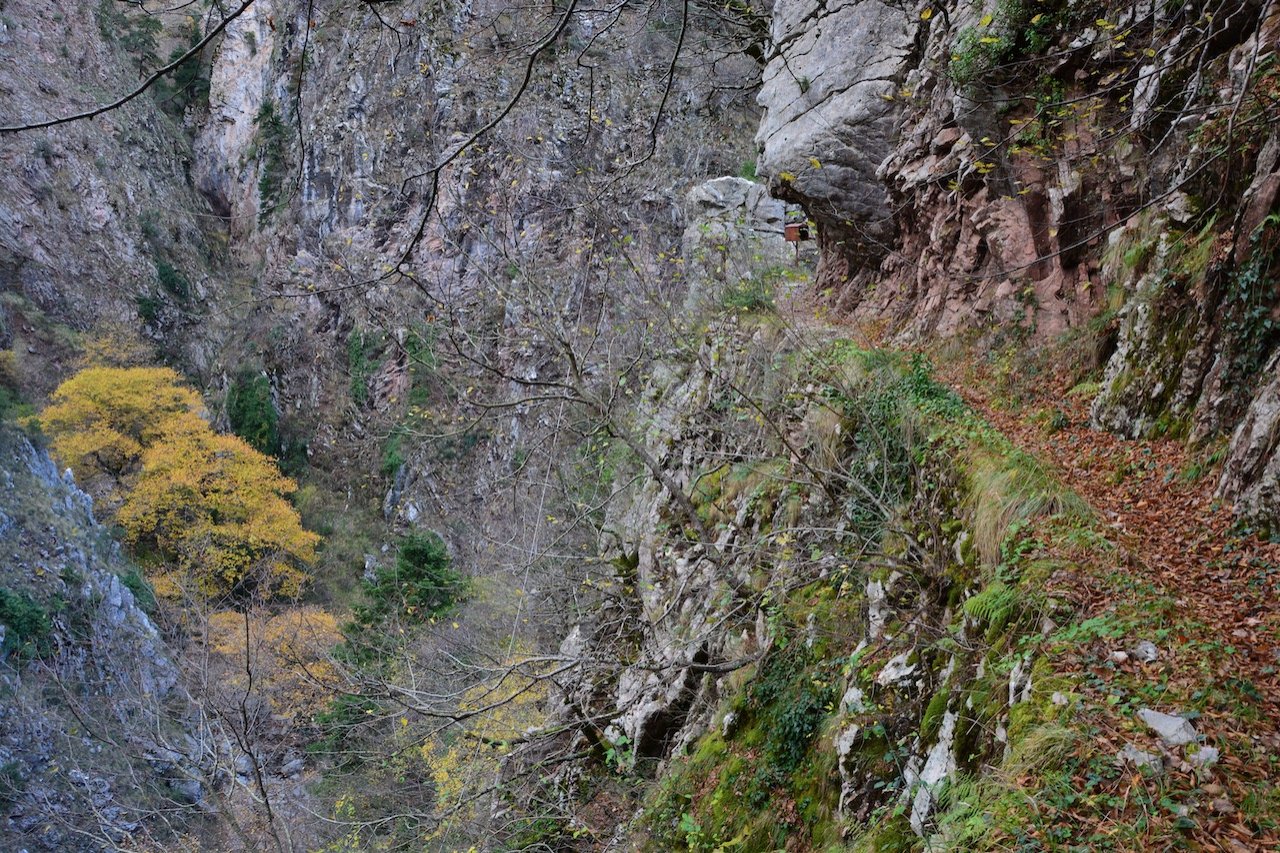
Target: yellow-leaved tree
[[210, 507], [215, 508], [283, 657], [100, 420], [466, 761]]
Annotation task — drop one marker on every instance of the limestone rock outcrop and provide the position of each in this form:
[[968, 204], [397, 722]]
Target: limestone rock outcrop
[[1251, 474], [733, 238], [831, 113]]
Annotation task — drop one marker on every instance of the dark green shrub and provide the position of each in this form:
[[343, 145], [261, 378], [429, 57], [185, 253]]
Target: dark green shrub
[[11, 404], [795, 727], [420, 585], [393, 452], [251, 413], [137, 35], [420, 346], [142, 592], [792, 708], [44, 150], [27, 624], [542, 833], [139, 39], [272, 140], [189, 82], [450, 448], [292, 459], [148, 308], [171, 280], [360, 349], [149, 225], [1012, 30]]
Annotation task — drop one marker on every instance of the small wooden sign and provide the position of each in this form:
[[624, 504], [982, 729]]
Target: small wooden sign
[[794, 232]]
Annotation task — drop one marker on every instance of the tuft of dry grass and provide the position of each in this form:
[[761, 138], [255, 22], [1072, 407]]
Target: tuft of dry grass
[[1008, 488]]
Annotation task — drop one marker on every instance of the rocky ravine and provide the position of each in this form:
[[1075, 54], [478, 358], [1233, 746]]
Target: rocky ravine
[[100, 225]]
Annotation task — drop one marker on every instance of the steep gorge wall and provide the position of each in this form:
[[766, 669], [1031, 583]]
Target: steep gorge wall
[[973, 167], [362, 248], [311, 238], [819, 669]]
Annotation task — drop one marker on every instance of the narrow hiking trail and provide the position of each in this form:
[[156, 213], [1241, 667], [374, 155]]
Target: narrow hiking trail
[[1218, 588], [1176, 533]]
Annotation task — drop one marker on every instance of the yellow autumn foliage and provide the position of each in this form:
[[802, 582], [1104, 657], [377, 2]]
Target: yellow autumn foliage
[[506, 707], [101, 419], [288, 654], [210, 507], [216, 508]]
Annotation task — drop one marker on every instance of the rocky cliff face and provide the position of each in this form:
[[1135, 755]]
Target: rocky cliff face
[[830, 118], [294, 224], [375, 211], [945, 182], [98, 746], [99, 221], [980, 167], [793, 607], [809, 625], [363, 250]]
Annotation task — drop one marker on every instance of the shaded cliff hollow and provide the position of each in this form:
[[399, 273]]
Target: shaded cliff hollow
[[1045, 167], [99, 745]]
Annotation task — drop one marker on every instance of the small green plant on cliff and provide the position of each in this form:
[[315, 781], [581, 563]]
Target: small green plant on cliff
[[143, 594], [1039, 134], [420, 350], [272, 143], [361, 349], [12, 783], [748, 294], [148, 308], [994, 607], [1015, 28], [189, 83], [12, 406], [27, 624], [1249, 327], [173, 281], [393, 452], [136, 34]]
